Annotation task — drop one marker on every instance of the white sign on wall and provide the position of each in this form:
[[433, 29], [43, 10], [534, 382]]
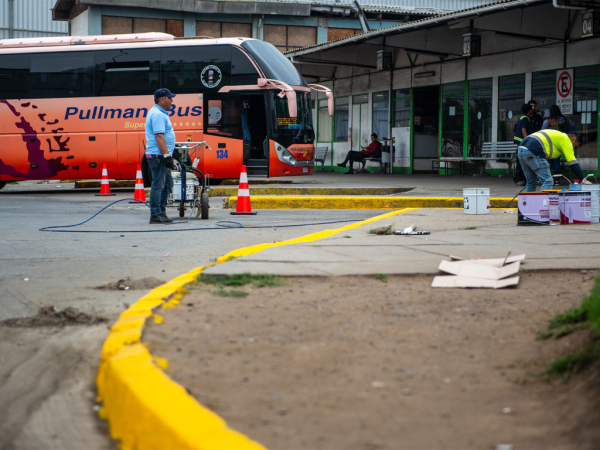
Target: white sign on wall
[[564, 91]]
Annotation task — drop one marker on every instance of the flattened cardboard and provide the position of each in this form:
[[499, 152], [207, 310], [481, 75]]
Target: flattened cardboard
[[450, 281], [475, 269], [492, 262]]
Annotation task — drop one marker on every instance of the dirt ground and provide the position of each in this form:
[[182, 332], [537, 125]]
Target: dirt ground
[[361, 363]]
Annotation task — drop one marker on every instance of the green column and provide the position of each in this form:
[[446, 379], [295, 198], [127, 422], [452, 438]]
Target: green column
[[466, 113]]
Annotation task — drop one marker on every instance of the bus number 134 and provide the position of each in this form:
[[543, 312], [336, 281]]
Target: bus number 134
[[221, 154]]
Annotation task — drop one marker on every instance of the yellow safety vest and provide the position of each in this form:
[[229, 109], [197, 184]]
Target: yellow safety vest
[[555, 143]]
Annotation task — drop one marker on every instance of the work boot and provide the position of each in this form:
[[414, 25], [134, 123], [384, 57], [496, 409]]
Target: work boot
[[165, 218], [155, 219]]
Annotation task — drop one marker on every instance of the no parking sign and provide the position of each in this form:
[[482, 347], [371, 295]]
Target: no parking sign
[[564, 91]]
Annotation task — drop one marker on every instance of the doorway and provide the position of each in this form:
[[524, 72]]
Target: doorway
[[426, 127]]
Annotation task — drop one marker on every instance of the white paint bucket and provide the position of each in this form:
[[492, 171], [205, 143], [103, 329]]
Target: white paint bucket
[[554, 212], [476, 200], [575, 207], [534, 208], [594, 190]]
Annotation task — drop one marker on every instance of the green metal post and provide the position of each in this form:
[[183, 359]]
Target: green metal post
[[466, 112]]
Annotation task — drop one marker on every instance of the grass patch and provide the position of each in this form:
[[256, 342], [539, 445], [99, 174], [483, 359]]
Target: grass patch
[[570, 317], [470, 228], [557, 333], [380, 276], [13, 182], [591, 305], [229, 293], [241, 279], [382, 231], [569, 365]]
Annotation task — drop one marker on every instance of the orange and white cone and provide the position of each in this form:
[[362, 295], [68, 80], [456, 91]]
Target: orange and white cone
[[243, 206], [140, 193], [104, 186]]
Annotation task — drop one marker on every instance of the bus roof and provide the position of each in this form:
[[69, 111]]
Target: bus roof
[[28, 45]]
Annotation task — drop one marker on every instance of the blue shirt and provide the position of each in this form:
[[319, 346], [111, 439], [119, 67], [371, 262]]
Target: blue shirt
[[158, 121]]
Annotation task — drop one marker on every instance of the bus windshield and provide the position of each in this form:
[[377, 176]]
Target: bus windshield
[[285, 129], [273, 63]]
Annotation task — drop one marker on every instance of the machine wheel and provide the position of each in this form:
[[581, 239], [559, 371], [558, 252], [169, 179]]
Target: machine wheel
[[204, 206]]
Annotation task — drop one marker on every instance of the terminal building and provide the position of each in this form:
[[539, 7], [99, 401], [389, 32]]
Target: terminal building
[[443, 86]]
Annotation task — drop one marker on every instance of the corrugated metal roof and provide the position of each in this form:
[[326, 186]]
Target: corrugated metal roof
[[440, 19], [31, 18]]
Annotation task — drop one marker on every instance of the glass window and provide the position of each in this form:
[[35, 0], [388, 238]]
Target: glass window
[[548, 76], [340, 119], [480, 115], [361, 98], [324, 122], [273, 63], [453, 116], [183, 69], [61, 75], [14, 76], [511, 97], [585, 107], [402, 108], [127, 72], [243, 71], [511, 80], [381, 114]]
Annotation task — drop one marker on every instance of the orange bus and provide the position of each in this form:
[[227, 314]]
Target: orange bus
[[69, 105]]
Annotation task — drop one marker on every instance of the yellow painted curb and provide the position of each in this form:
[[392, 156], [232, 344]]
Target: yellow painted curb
[[358, 202], [145, 409]]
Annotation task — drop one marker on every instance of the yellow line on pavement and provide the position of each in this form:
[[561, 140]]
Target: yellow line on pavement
[[145, 409]]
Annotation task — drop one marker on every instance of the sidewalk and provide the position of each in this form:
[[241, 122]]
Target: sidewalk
[[452, 233]]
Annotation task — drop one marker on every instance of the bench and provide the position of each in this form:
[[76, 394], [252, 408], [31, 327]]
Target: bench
[[320, 155], [446, 160], [376, 157], [502, 152]]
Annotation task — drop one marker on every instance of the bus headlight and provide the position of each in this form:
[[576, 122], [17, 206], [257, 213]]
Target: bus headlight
[[287, 157]]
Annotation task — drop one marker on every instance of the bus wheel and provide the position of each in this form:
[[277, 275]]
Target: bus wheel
[[2, 184], [204, 206]]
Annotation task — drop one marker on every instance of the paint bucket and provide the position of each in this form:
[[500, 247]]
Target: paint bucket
[[553, 211], [575, 207], [594, 190], [533, 208], [476, 200]]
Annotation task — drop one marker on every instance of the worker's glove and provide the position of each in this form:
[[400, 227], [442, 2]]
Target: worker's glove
[[586, 181], [169, 162]]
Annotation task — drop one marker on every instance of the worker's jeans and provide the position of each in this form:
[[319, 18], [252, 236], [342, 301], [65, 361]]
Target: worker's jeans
[[535, 167], [162, 184]]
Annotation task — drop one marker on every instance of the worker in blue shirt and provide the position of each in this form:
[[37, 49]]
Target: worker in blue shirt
[[160, 139], [522, 130]]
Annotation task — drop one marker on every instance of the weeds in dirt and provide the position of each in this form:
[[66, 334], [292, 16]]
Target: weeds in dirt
[[569, 365], [229, 293], [470, 228], [380, 276], [241, 279], [584, 317], [570, 317], [383, 231]]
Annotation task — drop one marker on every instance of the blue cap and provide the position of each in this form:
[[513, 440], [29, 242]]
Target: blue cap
[[164, 92]]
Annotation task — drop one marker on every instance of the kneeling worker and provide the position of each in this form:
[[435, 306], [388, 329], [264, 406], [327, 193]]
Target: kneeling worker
[[160, 139], [537, 148]]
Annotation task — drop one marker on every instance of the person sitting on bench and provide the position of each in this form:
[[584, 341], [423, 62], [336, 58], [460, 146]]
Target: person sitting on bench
[[365, 152]]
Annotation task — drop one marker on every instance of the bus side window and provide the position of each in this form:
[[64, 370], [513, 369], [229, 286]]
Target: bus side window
[[243, 71], [225, 118], [14, 76], [61, 75], [130, 72]]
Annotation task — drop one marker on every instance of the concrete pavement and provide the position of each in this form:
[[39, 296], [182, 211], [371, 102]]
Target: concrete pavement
[[356, 251]]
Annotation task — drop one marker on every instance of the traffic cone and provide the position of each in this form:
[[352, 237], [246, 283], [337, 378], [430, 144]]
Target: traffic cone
[[140, 193], [104, 186], [243, 207]]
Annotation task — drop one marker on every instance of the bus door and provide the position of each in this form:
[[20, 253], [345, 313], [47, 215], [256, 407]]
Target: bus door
[[89, 152], [223, 130]]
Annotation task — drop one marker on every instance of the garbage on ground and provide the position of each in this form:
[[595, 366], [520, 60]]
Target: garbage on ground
[[410, 231], [479, 273]]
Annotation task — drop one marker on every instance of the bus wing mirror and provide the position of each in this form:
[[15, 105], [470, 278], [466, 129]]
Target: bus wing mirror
[[328, 92]]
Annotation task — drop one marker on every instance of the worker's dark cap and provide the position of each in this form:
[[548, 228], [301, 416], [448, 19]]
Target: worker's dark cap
[[163, 93]]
